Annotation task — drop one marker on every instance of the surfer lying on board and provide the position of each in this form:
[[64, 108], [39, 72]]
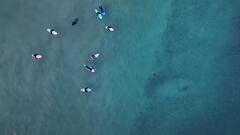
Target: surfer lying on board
[[88, 68], [75, 22], [102, 10], [109, 28], [94, 56], [37, 56], [86, 89], [100, 13], [52, 31]]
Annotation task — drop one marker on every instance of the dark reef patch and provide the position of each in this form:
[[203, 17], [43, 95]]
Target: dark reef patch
[[153, 82], [156, 80]]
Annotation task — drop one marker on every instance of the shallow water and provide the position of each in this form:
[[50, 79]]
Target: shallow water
[[170, 68]]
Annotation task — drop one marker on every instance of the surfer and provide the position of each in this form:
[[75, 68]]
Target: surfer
[[75, 22], [100, 13], [86, 89], [52, 31], [88, 68], [102, 10], [37, 56], [94, 56], [109, 28]]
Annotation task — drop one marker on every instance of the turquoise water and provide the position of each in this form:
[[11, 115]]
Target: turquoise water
[[170, 68]]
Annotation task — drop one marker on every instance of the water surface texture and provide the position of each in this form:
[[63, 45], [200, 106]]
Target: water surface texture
[[171, 67]]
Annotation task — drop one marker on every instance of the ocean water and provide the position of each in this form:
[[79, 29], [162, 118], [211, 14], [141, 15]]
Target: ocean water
[[171, 67]]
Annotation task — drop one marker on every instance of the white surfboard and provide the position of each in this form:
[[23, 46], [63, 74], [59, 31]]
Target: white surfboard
[[93, 70], [83, 90]]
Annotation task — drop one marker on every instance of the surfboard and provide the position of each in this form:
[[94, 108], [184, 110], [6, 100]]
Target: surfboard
[[96, 55]]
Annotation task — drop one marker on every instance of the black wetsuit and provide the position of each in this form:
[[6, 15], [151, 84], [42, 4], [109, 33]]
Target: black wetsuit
[[101, 8], [35, 55], [85, 89], [89, 68], [75, 22], [51, 31], [108, 27], [93, 57], [98, 13]]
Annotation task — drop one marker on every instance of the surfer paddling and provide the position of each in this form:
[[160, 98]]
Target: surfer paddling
[[75, 22], [94, 56], [100, 12], [109, 28], [86, 89], [52, 32], [88, 68], [37, 56]]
